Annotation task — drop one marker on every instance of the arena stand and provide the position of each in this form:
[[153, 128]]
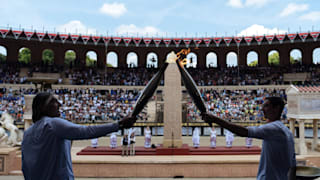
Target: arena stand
[[238, 91], [85, 104], [90, 95], [298, 74]]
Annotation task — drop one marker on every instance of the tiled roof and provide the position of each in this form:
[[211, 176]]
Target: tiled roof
[[308, 88]]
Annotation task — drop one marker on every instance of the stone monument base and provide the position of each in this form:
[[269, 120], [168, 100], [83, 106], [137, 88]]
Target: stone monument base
[[184, 150], [169, 143], [10, 160], [150, 166], [166, 166]]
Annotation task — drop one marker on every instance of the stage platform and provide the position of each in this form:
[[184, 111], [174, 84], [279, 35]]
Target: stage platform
[[112, 166], [149, 166], [184, 150]]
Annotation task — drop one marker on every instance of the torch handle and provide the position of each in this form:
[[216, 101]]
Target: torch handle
[[191, 87], [148, 91]]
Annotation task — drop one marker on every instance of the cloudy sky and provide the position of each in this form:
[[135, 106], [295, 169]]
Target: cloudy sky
[[163, 18]]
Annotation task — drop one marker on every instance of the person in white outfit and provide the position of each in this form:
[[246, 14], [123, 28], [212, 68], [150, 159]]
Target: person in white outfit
[[229, 138], [113, 140], [147, 137], [248, 142], [196, 137], [213, 137], [94, 142]]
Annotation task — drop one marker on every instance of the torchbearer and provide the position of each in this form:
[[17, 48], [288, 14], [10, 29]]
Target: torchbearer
[[46, 145], [277, 160]]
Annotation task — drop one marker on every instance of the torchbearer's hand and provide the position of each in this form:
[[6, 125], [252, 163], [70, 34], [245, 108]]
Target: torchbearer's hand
[[127, 122]]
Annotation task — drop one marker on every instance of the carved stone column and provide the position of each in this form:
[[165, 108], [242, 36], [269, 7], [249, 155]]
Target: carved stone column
[[315, 134], [302, 141], [291, 124]]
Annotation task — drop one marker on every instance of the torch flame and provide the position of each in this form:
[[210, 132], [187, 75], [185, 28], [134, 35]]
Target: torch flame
[[182, 56], [183, 53], [184, 61]]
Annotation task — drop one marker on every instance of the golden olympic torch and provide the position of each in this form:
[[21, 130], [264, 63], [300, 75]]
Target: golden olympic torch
[[148, 91], [188, 81]]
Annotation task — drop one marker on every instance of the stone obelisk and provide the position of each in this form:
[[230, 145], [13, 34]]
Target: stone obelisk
[[172, 104]]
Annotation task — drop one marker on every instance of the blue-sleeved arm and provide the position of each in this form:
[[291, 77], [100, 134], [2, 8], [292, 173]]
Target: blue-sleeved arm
[[266, 131], [68, 130]]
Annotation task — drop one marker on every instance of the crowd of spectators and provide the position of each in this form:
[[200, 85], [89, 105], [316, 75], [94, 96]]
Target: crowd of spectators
[[9, 74], [12, 102], [202, 77], [252, 75], [140, 76], [110, 76], [92, 106], [78, 105], [236, 105]]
